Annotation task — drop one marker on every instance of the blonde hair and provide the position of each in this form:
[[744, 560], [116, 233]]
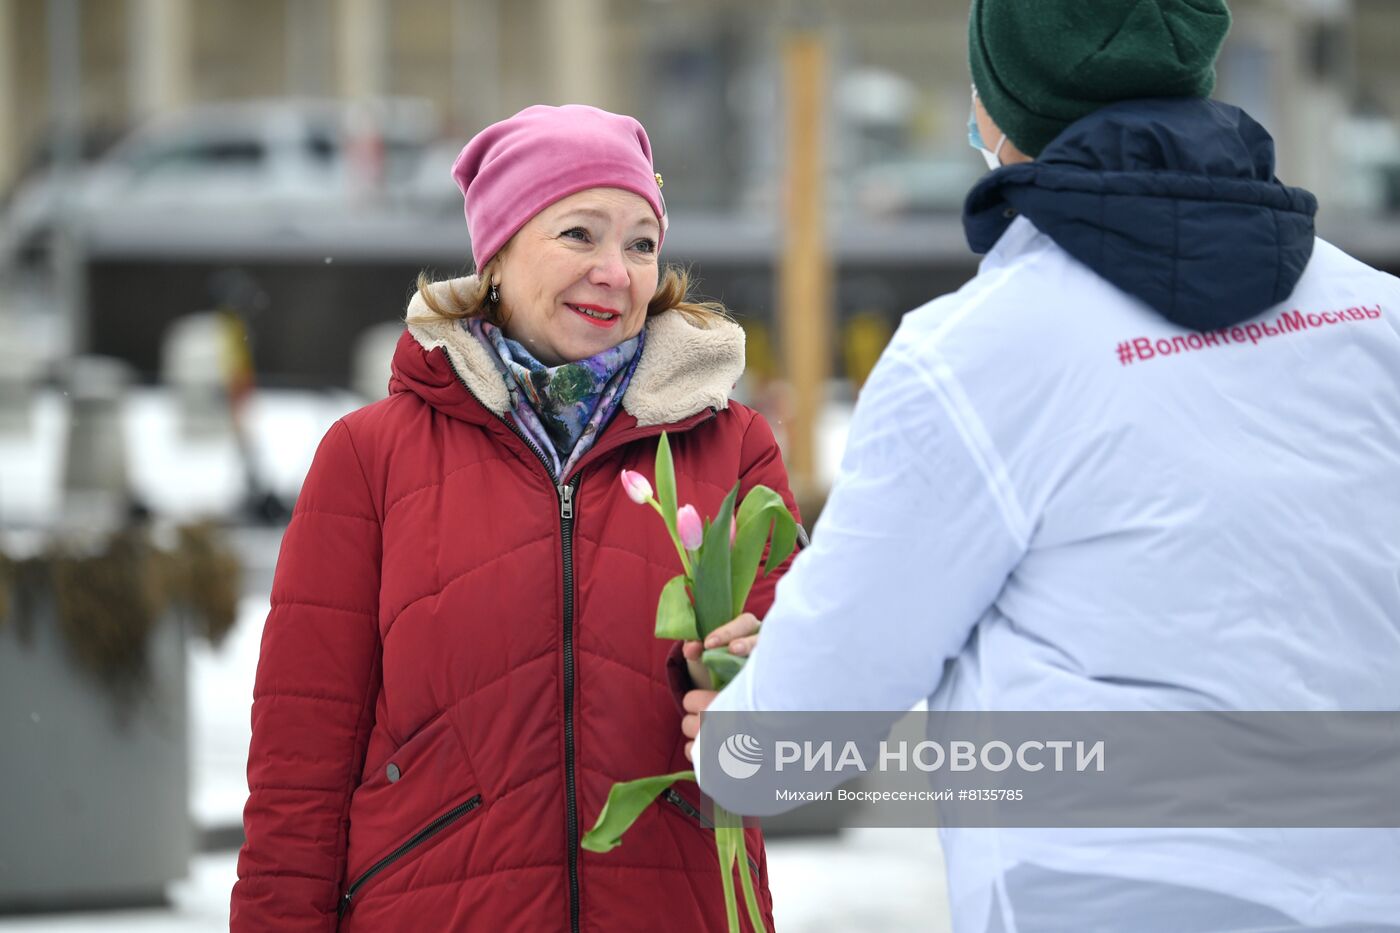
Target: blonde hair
[[457, 303]]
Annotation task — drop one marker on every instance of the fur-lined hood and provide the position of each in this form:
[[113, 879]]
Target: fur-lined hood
[[684, 369]]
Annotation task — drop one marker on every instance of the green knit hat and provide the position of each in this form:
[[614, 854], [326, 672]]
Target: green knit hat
[[1040, 65]]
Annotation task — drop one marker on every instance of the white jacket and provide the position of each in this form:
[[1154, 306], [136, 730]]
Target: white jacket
[[1076, 504]]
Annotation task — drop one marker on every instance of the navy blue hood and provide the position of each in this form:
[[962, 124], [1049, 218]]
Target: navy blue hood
[[1174, 201]]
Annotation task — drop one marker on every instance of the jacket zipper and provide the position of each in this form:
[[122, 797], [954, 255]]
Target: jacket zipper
[[420, 837], [566, 492], [686, 807], [566, 533]]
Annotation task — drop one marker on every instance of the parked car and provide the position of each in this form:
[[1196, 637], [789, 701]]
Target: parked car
[[235, 159]]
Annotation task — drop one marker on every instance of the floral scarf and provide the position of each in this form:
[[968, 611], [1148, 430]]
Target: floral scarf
[[561, 409]]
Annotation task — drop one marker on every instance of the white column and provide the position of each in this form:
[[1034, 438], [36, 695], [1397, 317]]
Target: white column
[[9, 93], [576, 51], [1319, 102], [308, 72], [363, 36], [1277, 86], [476, 62], [161, 56]]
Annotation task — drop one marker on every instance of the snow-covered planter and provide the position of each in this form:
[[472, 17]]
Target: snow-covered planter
[[93, 719]]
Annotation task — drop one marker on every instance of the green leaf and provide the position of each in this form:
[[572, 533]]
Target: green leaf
[[762, 511], [675, 616], [784, 542], [666, 482], [625, 803], [711, 570], [722, 665]]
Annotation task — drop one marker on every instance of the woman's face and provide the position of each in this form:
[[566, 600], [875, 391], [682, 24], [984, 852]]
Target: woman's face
[[577, 278]]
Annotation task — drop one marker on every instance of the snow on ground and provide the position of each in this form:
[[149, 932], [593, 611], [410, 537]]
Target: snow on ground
[[882, 880], [198, 904], [864, 881], [177, 467], [221, 698]]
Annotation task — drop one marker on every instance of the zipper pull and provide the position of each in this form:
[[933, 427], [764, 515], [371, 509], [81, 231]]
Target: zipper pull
[[566, 501]]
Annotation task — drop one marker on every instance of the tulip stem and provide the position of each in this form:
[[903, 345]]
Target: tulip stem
[[750, 896], [724, 843], [675, 538]]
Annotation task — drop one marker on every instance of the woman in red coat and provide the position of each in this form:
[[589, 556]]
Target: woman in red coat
[[459, 661]]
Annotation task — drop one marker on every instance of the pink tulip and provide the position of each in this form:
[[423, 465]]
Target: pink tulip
[[733, 530], [638, 489], [688, 527]]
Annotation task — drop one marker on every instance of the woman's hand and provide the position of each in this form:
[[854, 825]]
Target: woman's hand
[[740, 634]]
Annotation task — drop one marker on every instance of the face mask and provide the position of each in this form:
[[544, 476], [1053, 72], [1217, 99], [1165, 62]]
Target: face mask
[[974, 138]]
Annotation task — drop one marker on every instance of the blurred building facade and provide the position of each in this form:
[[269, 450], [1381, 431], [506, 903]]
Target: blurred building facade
[[701, 75], [704, 76]]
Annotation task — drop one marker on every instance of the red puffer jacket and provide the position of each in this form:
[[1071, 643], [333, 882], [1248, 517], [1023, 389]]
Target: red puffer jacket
[[459, 661]]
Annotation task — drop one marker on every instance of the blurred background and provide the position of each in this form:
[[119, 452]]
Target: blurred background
[[212, 213]]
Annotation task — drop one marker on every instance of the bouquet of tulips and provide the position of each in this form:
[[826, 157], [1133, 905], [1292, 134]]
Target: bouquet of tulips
[[720, 560]]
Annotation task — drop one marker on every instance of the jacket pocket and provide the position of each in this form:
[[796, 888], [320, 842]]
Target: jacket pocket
[[423, 835], [674, 798], [424, 789]]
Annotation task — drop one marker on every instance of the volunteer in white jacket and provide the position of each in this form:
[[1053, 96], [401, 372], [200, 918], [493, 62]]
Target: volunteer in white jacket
[[1149, 458]]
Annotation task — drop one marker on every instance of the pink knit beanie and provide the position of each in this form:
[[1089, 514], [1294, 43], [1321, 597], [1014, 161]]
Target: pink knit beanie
[[512, 170]]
